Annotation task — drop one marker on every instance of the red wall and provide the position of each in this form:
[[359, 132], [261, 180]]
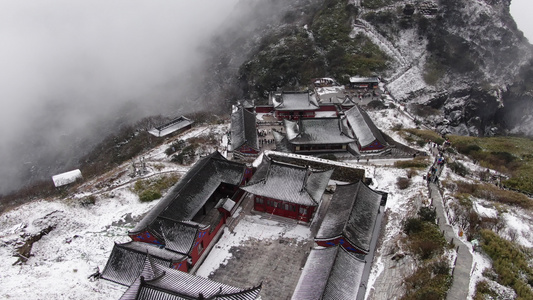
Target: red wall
[[264, 109], [146, 237], [246, 149], [376, 145], [205, 237], [292, 213]]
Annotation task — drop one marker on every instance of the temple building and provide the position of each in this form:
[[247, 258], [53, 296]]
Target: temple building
[[187, 219], [318, 135], [357, 82], [351, 218], [294, 105], [287, 190]]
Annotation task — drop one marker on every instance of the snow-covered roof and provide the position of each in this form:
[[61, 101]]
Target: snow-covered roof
[[296, 101], [226, 204], [178, 236], [66, 178], [352, 213], [328, 92], [357, 79], [170, 127], [172, 284], [193, 190], [243, 129], [318, 131], [289, 183], [364, 129], [128, 260], [330, 273]]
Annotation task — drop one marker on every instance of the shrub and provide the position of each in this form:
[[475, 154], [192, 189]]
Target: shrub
[[427, 214], [431, 281], [403, 182], [412, 226], [151, 189], [376, 104], [426, 135], [510, 263], [458, 168], [418, 162], [149, 195]]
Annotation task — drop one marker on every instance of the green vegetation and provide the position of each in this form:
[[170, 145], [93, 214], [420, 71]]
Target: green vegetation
[[458, 168], [403, 182], [425, 238], [418, 162], [508, 155], [511, 264], [152, 189], [373, 4], [292, 56], [432, 281], [174, 147], [421, 136], [493, 193]]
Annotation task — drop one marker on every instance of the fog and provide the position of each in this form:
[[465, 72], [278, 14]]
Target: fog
[[69, 69]]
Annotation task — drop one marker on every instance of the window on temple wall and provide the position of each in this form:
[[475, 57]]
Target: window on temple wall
[[286, 206], [259, 200], [201, 247], [303, 211]]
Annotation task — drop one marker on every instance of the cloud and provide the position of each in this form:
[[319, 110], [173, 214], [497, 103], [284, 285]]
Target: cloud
[[67, 66]]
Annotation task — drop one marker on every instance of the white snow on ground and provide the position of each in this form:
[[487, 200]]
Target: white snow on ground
[[250, 227], [518, 230], [62, 260], [83, 236]]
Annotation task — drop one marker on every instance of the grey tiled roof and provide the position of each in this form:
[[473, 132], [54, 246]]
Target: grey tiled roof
[[171, 126], [177, 285], [282, 144], [177, 236], [352, 213], [188, 196], [290, 183], [330, 273], [364, 129], [357, 79], [128, 260], [296, 101], [243, 129], [317, 131]]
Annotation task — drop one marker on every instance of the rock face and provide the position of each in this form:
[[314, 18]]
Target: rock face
[[469, 59], [465, 58]]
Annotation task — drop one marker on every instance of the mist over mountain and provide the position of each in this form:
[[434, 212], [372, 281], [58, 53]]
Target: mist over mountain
[[73, 72]]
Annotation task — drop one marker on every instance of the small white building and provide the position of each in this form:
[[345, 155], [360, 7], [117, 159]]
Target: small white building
[[66, 178]]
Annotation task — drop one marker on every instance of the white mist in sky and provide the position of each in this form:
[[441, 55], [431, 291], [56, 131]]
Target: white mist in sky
[[522, 12], [65, 65]]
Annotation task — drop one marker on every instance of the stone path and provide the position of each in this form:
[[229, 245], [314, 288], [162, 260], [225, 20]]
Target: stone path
[[463, 266]]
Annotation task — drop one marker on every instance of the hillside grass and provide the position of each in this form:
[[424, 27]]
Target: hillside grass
[[153, 188], [511, 264], [507, 155]]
